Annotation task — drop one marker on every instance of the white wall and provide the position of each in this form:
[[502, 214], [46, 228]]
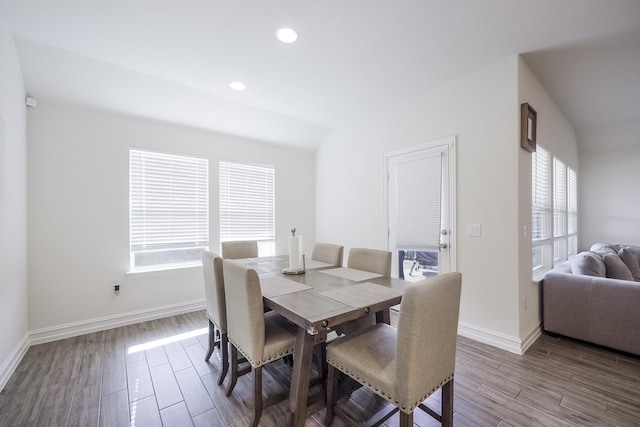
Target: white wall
[[481, 110], [79, 207], [609, 210], [13, 208], [556, 134]]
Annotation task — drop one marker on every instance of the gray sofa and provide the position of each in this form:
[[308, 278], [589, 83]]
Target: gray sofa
[[593, 298]]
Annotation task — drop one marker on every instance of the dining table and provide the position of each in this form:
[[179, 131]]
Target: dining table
[[319, 299]]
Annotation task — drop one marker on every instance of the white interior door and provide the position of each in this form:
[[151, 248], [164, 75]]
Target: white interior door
[[420, 211]]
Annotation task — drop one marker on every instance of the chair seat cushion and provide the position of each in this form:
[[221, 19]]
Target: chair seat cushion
[[368, 356], [280, 338]]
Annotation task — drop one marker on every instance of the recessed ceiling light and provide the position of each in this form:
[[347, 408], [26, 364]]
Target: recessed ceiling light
[[286, 35], [237, 86]]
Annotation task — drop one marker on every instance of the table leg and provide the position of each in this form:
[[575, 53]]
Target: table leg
[[383, 316], [299, 392]]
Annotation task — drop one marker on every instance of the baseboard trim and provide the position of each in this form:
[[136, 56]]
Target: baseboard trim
[[9, 366], [493, 338], [69, 330], [531, 336]]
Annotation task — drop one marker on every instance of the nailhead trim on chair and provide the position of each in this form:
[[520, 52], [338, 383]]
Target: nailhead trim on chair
[[256, 363], [381, 393]]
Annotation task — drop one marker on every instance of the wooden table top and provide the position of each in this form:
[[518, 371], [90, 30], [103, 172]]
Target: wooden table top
[[326, 298]]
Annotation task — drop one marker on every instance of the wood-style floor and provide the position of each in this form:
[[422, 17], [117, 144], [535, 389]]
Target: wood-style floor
[[97, 379]]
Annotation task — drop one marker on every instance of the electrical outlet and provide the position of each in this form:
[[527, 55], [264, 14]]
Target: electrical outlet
[[474, 230], [116, 289]]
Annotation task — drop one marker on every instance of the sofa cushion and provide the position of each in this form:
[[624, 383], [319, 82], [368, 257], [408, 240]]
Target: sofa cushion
[[635, 249], [588, 263], [616, 269], [628, 256], [603, 248]]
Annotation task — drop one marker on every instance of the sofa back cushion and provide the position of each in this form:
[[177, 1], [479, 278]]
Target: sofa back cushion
[[635, 249], [604, 248], [589, 264], [616, 269], [630, 259]]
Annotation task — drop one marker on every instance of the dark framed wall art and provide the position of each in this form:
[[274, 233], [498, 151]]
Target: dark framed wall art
[[528, 119]]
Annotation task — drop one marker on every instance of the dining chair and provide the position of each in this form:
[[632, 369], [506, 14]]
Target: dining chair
[[216, 309], [239, 249], [261, 337], [373, 260], [329, 253], [406, 365]]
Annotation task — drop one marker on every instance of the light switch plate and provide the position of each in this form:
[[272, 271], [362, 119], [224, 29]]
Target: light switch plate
[[474, 230]]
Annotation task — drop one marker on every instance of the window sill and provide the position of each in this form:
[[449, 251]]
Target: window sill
[[139, 274], [538, 276]]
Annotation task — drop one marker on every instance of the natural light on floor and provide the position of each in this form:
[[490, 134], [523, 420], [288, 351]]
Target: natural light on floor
[[168, 340]]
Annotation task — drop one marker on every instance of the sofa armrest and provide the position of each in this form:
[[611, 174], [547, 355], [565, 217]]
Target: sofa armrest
[[595, 309], [615, 320], [566, 299]]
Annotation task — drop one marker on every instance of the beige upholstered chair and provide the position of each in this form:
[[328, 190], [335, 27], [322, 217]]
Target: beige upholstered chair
[[326, 252], [261, 337], [240, 249], [406, 365], [372, 260], [375, 261], [216, 309]]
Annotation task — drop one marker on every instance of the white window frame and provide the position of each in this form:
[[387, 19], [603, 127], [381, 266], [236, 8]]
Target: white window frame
[[560, 220], [168, 210], [541, 230], [572, 212], [247, 204], [554, 198]]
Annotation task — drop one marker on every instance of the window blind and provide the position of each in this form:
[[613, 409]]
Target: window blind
[[247, 202], [169, 205], [541, 194], [419, 192], [554, 210], [572, 199], [559, 198]]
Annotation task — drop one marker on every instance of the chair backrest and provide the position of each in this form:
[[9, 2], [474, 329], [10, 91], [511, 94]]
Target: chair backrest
[[372, 260], [245, 322], [214, 289], [427, 332], [326, 252], [240, 249]]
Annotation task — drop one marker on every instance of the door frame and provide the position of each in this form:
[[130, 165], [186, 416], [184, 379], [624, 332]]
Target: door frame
[[450, 144]]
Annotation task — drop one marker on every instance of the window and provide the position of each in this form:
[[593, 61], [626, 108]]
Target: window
[[247, 204], [541, 208], [559, 211], [572, 212], [554, 210], [169, 210]]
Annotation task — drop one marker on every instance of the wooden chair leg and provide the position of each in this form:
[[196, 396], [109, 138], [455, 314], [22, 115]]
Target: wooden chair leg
[[234, 369], [320, 359], [288, 359], [212, 341], [323, 359], [257, 395], [224, 352], [406, 420], [447, 404], [332, 389]]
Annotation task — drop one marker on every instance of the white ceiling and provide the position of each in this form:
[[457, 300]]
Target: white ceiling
[[174, 60]]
